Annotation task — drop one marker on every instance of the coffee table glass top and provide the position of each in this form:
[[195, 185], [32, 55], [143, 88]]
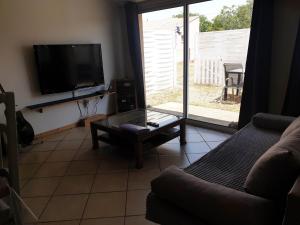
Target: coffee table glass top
[[139, 117]]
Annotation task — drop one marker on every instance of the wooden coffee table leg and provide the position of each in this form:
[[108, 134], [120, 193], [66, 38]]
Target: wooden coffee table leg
[[138, 148], [182, 134], [94, 137]]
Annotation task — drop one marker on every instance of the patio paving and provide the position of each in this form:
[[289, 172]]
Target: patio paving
[[219, 116]]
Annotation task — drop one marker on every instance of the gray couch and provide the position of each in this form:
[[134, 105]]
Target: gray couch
[[211, 192]]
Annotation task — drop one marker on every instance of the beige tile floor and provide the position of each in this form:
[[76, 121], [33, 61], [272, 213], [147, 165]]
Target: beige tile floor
[[65, 182]]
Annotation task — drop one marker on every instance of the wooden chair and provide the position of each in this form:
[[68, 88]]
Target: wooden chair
[[234, 79]]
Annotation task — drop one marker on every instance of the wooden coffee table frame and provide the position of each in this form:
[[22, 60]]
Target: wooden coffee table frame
[[140, 142]]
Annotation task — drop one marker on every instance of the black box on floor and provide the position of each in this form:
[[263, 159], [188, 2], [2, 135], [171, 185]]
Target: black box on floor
[[126, 99]]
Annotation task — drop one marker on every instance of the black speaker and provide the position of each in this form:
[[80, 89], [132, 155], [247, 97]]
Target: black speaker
[[126, 99]]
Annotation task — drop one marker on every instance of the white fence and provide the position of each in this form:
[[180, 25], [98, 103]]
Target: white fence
[[212, 50], [209, 71]]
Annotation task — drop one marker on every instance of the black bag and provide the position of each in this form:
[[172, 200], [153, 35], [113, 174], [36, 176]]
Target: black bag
[[24, 129]]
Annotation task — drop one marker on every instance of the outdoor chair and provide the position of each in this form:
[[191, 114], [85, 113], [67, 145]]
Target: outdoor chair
[[234, 79]]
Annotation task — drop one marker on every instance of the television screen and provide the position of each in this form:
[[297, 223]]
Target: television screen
[[64, 68]]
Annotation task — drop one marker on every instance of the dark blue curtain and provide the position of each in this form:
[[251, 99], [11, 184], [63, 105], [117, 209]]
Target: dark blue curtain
[[291, 105], [257, 74], [135, 51]]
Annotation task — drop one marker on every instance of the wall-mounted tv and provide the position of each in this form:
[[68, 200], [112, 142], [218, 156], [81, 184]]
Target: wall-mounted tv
[[63, 68]]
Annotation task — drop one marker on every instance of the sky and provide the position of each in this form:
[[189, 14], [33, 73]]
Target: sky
[[210, 9]]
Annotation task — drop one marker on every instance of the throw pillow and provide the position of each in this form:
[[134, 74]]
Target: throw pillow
[[274, 173], [293, 126]]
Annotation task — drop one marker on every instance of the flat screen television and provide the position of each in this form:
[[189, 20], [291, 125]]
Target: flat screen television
[[63, 68]]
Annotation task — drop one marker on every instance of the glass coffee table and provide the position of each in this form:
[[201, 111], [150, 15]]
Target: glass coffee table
[[139, 130]]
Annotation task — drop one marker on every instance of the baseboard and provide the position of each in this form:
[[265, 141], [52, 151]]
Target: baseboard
[[211, 126], [87, 121], [84, 122], [55, 131]]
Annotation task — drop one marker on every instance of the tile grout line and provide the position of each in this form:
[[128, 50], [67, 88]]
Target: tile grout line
[[200, 135], [60, 178], [50, 197], [34, 174], [126, 196], [208, 145], [99, 162], [86, 193], [59, 182], [206, 141], [41, 162], [91, 189]]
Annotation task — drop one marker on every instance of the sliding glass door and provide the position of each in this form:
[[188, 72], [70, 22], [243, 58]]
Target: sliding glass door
[[162, 48], [218, 45], [209, 39]]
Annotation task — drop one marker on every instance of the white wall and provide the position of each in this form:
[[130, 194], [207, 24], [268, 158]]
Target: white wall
[[286, 19], [24, 23], [230, 45]]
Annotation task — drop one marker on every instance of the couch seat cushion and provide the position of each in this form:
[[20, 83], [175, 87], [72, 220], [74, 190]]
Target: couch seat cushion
[[230, 163]]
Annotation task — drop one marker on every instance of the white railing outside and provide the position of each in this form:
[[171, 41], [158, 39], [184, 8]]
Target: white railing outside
[[209, 71]]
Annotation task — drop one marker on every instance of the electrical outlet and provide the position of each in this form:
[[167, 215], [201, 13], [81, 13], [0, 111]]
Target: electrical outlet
[[85, 103]]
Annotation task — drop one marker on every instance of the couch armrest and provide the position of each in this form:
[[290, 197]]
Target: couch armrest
[[272, 121], [292, 215], [213, 203]]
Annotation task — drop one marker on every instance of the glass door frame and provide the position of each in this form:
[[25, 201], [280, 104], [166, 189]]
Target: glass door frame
[[185, 60], [185, 55], [146, 7]]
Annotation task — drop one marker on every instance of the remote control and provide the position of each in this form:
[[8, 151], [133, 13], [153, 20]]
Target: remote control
[[152, 124]]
